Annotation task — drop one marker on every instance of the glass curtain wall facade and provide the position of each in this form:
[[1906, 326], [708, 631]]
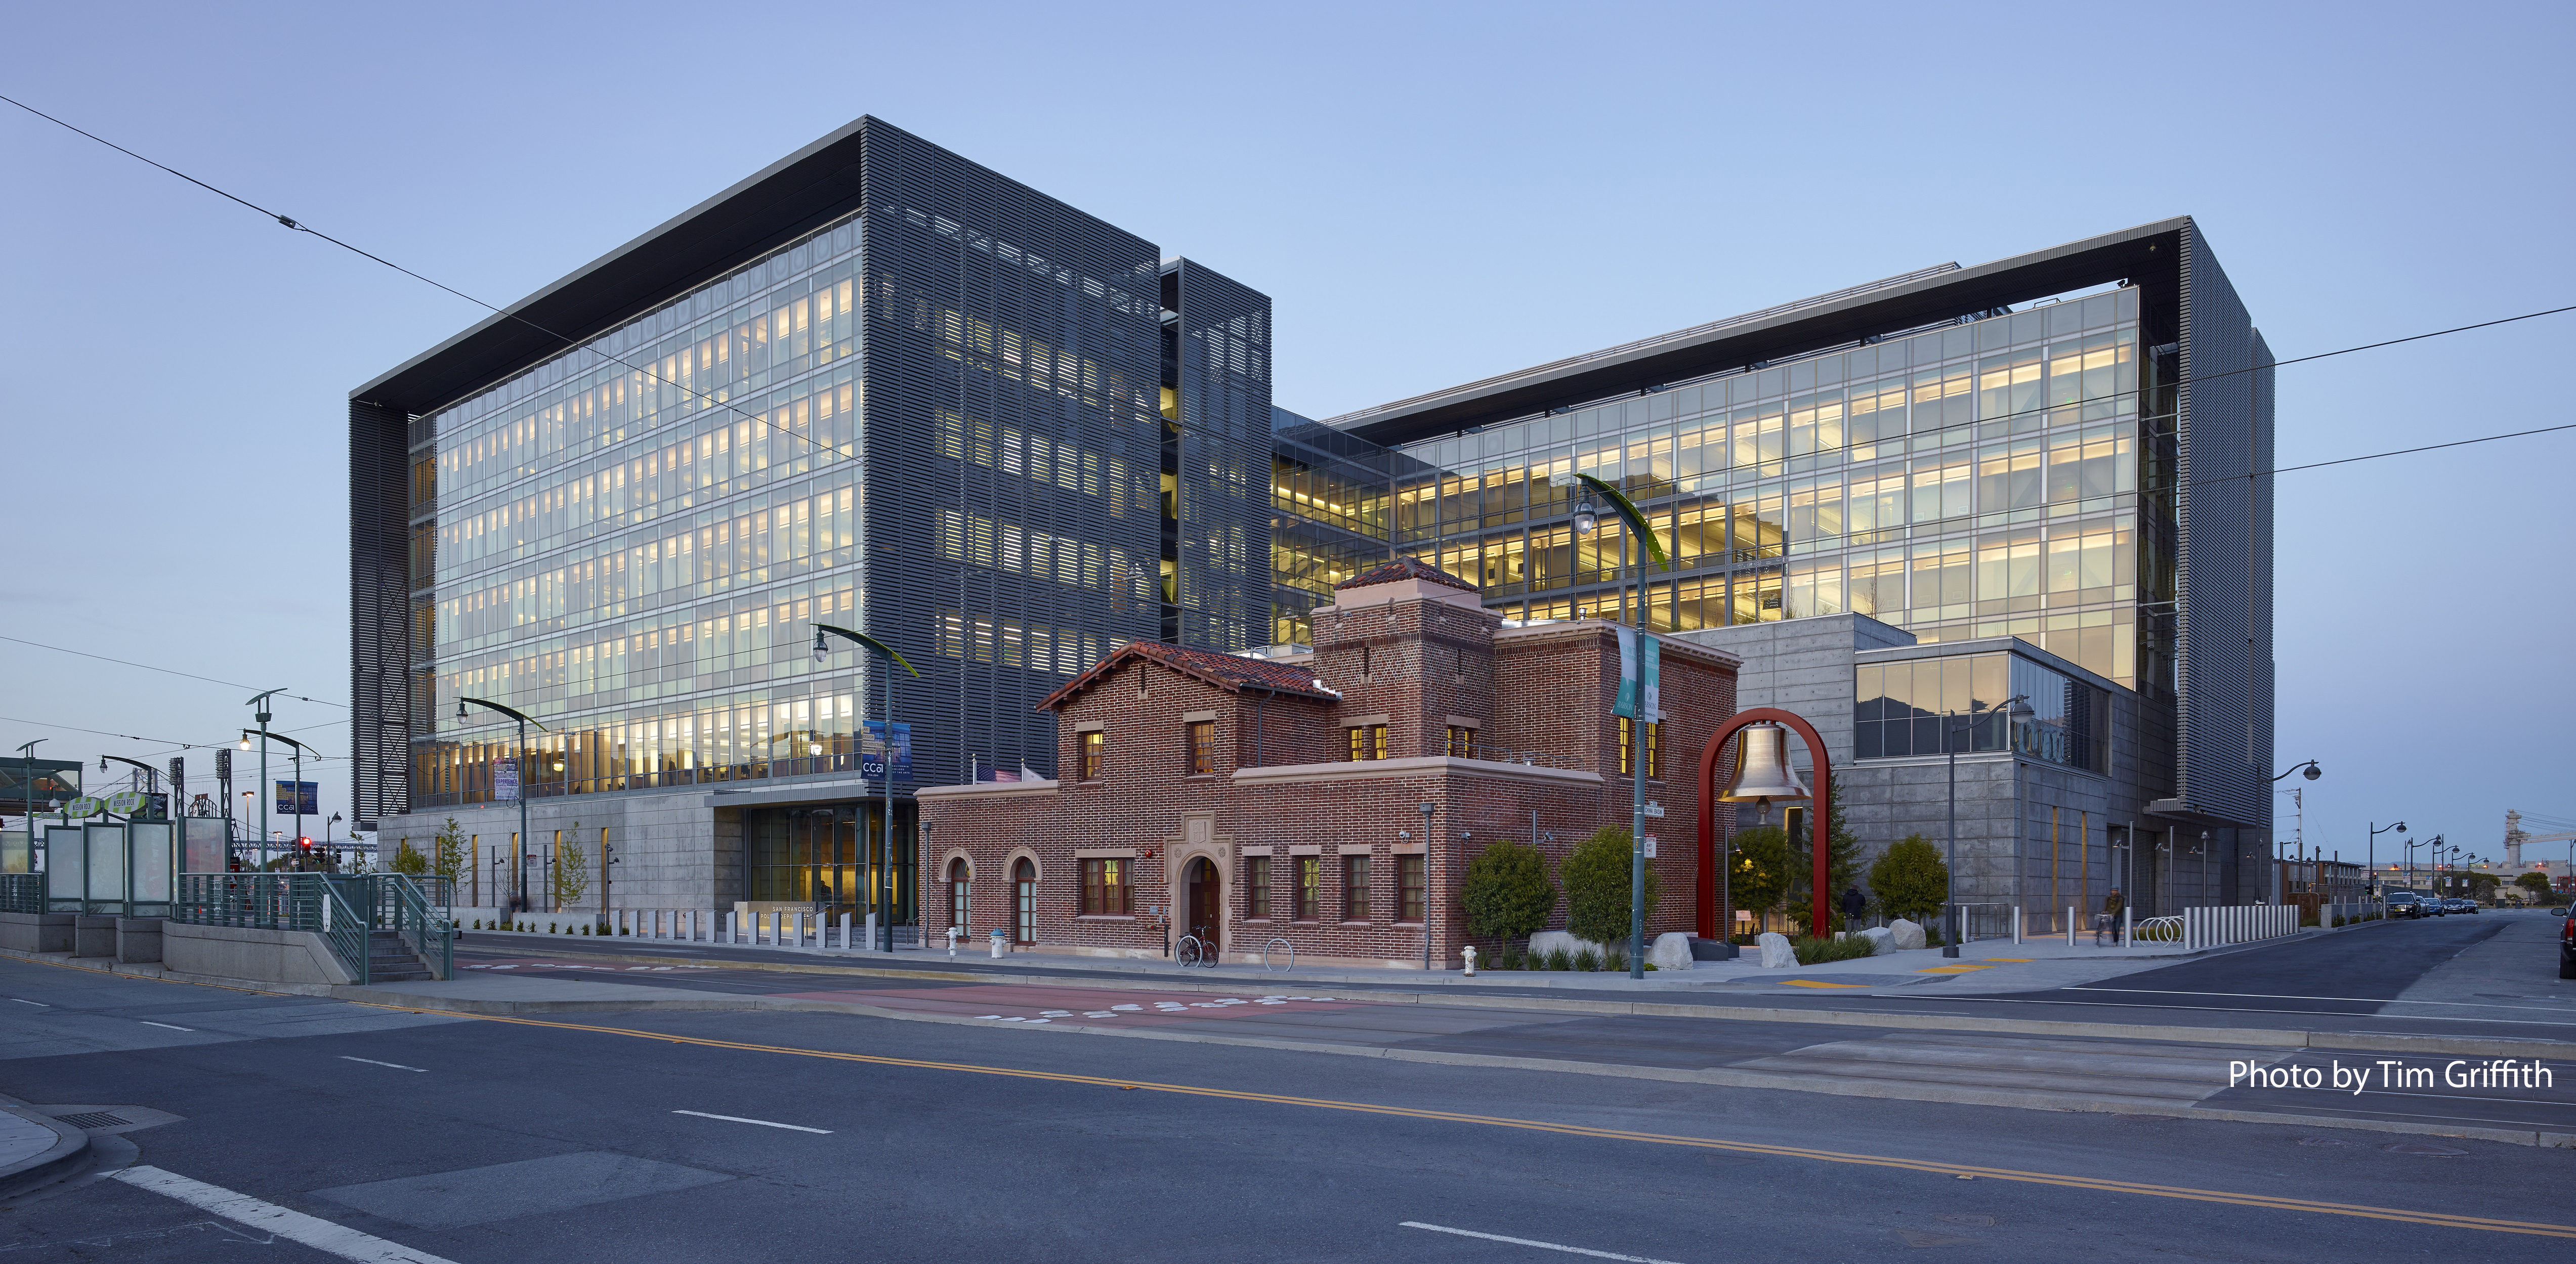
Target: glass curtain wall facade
[[1332, 497], [1976, 479], [941, 388]]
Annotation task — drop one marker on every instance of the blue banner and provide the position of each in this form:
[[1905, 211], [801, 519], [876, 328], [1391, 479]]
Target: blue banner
[[298, 797], [872, 746]]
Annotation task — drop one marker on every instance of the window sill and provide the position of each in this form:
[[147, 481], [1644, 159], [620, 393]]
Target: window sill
[[1104, 917], [1199, 776], [1347, 922]]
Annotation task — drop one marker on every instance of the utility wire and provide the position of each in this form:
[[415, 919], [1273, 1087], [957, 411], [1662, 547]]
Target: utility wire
[[2368, 346], [306, 228], [175, 744], [2347, 460], [164, 670]]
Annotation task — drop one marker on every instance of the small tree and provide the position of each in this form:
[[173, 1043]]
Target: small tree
[[407, 859], [2536, 883], [1507, 894], [1842, 863], [1910, 880], [572, 870], [447, 851], [1757, 875], [1597, 878]]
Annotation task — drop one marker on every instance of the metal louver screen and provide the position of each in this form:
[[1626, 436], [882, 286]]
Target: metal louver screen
[[2223, 624], [379, 611], [1224, 547], [1011, 434]]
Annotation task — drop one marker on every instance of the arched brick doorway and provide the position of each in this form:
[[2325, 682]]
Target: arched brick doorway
[[1201, 900]]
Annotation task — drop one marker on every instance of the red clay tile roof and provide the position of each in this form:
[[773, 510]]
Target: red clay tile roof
[[1231, 672], [1404, 568]]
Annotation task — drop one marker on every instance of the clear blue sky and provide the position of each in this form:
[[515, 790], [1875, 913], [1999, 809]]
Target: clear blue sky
[[1430, 193]]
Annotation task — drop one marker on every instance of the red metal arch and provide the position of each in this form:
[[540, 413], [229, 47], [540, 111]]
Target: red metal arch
[[1821, 902]]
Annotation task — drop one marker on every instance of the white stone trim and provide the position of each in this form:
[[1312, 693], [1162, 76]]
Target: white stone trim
[[988, 789], [1412, 766]]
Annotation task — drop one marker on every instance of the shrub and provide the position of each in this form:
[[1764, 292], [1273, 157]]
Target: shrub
[[1616, 960], [408, 859], [1507, 894], [625, 930], [1813, 951], [1910, 879], [1757, 868], [585, 929], [1588, 960], [1597, 877]]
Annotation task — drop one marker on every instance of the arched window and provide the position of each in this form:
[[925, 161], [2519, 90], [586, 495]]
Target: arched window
[[1024, 902], [960, 880]]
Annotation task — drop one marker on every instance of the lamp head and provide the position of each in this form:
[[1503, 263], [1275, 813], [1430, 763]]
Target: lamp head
[[460, 708], [245, 743], [1586, 518], [820, 653], [2313, 771]]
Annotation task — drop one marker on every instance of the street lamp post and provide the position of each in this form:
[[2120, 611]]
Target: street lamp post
[[883, 896], [1954, 924], [2371, 857], [519, 761], [2313, 770], [1428, 808], [27, 762], [1586, 519], [263, 716]]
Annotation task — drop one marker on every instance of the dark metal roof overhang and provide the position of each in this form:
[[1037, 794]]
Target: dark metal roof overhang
[[2131, 253], [783, 201]]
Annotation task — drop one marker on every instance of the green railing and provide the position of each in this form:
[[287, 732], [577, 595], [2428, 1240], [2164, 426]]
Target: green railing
[[407, 911], [279, 901], [22, 893]]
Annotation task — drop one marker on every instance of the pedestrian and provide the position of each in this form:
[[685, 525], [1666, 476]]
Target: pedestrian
[[2107, 922], [1854, 905]]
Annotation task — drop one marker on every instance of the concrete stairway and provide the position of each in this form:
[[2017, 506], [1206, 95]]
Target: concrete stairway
[[390, 960]]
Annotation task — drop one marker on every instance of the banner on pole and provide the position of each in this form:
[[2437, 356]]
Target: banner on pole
[[1651, 672], [872, 750], [1627, 701], [505, 781], [294, 797]]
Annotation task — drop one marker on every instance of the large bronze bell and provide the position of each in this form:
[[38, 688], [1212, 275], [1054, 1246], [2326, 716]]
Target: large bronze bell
[[1762, 771]]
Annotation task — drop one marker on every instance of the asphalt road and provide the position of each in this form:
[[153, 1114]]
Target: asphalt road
[[514, 1139]]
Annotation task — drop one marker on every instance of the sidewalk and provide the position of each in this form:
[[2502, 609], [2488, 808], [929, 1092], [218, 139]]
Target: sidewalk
[[1997, 965], [34, 1148]]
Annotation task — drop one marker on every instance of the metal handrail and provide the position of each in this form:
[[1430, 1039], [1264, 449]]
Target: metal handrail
[[430, 937], [1282, 943], [278, 901]]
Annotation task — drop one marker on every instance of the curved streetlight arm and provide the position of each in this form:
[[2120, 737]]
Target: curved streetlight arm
[[151, 775], [512, 712], [274, 737], [2306, 764], [1636, 520], [869, 642]]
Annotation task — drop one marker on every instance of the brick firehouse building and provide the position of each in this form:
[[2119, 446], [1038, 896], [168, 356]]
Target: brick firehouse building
[[1331, 798]]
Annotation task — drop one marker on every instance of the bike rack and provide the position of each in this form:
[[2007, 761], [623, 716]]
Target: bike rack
[[1193, 951], [2158, 930], [1279, 943]]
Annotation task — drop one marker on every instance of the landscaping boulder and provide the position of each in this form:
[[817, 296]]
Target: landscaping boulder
[[1670, 951], [1776, 952], [1882, 941], [1905, 934]]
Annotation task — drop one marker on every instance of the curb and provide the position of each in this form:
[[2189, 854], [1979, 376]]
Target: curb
[[71, 1145]]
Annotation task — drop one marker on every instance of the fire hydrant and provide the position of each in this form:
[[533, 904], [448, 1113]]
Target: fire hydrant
[[1469, 953], [997, 942], [953, 933]]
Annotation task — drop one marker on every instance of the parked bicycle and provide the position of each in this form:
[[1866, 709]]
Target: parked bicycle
[[1194, 952]]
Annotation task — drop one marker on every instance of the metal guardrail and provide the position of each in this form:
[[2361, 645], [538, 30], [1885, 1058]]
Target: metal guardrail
[[344, 910], [22, 893]]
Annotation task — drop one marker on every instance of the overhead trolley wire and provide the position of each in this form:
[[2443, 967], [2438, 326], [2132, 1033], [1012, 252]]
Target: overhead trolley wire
[[165, 670], [307, 228]]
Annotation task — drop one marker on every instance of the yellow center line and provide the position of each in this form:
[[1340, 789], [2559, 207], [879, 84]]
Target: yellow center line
[[2062, 1180]]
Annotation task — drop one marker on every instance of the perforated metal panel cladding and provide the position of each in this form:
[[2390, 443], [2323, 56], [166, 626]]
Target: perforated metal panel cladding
[[1224, 493], [379, 610], [1011, 429], [2223, 622]]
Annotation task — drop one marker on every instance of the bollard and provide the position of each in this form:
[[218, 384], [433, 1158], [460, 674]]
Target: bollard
[[2070, 925], [845, 932], [2016, 926]]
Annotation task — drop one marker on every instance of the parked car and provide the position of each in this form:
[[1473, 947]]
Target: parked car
[[2464, 906], [2406, 904]]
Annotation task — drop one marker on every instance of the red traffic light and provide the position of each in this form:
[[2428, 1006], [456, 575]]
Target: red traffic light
[[305, 843]]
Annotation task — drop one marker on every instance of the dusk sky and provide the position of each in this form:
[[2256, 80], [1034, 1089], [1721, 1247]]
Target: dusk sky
[[1429, 193]]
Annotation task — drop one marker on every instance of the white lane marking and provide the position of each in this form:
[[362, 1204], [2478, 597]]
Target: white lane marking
[[737, 1119], [294, 1226], [24, 1001], [1550, 1246], [372, 1062], [149, 1023]]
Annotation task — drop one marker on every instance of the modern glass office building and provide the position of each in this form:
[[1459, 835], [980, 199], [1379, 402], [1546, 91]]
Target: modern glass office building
[[2052, 447], [875, 386]]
